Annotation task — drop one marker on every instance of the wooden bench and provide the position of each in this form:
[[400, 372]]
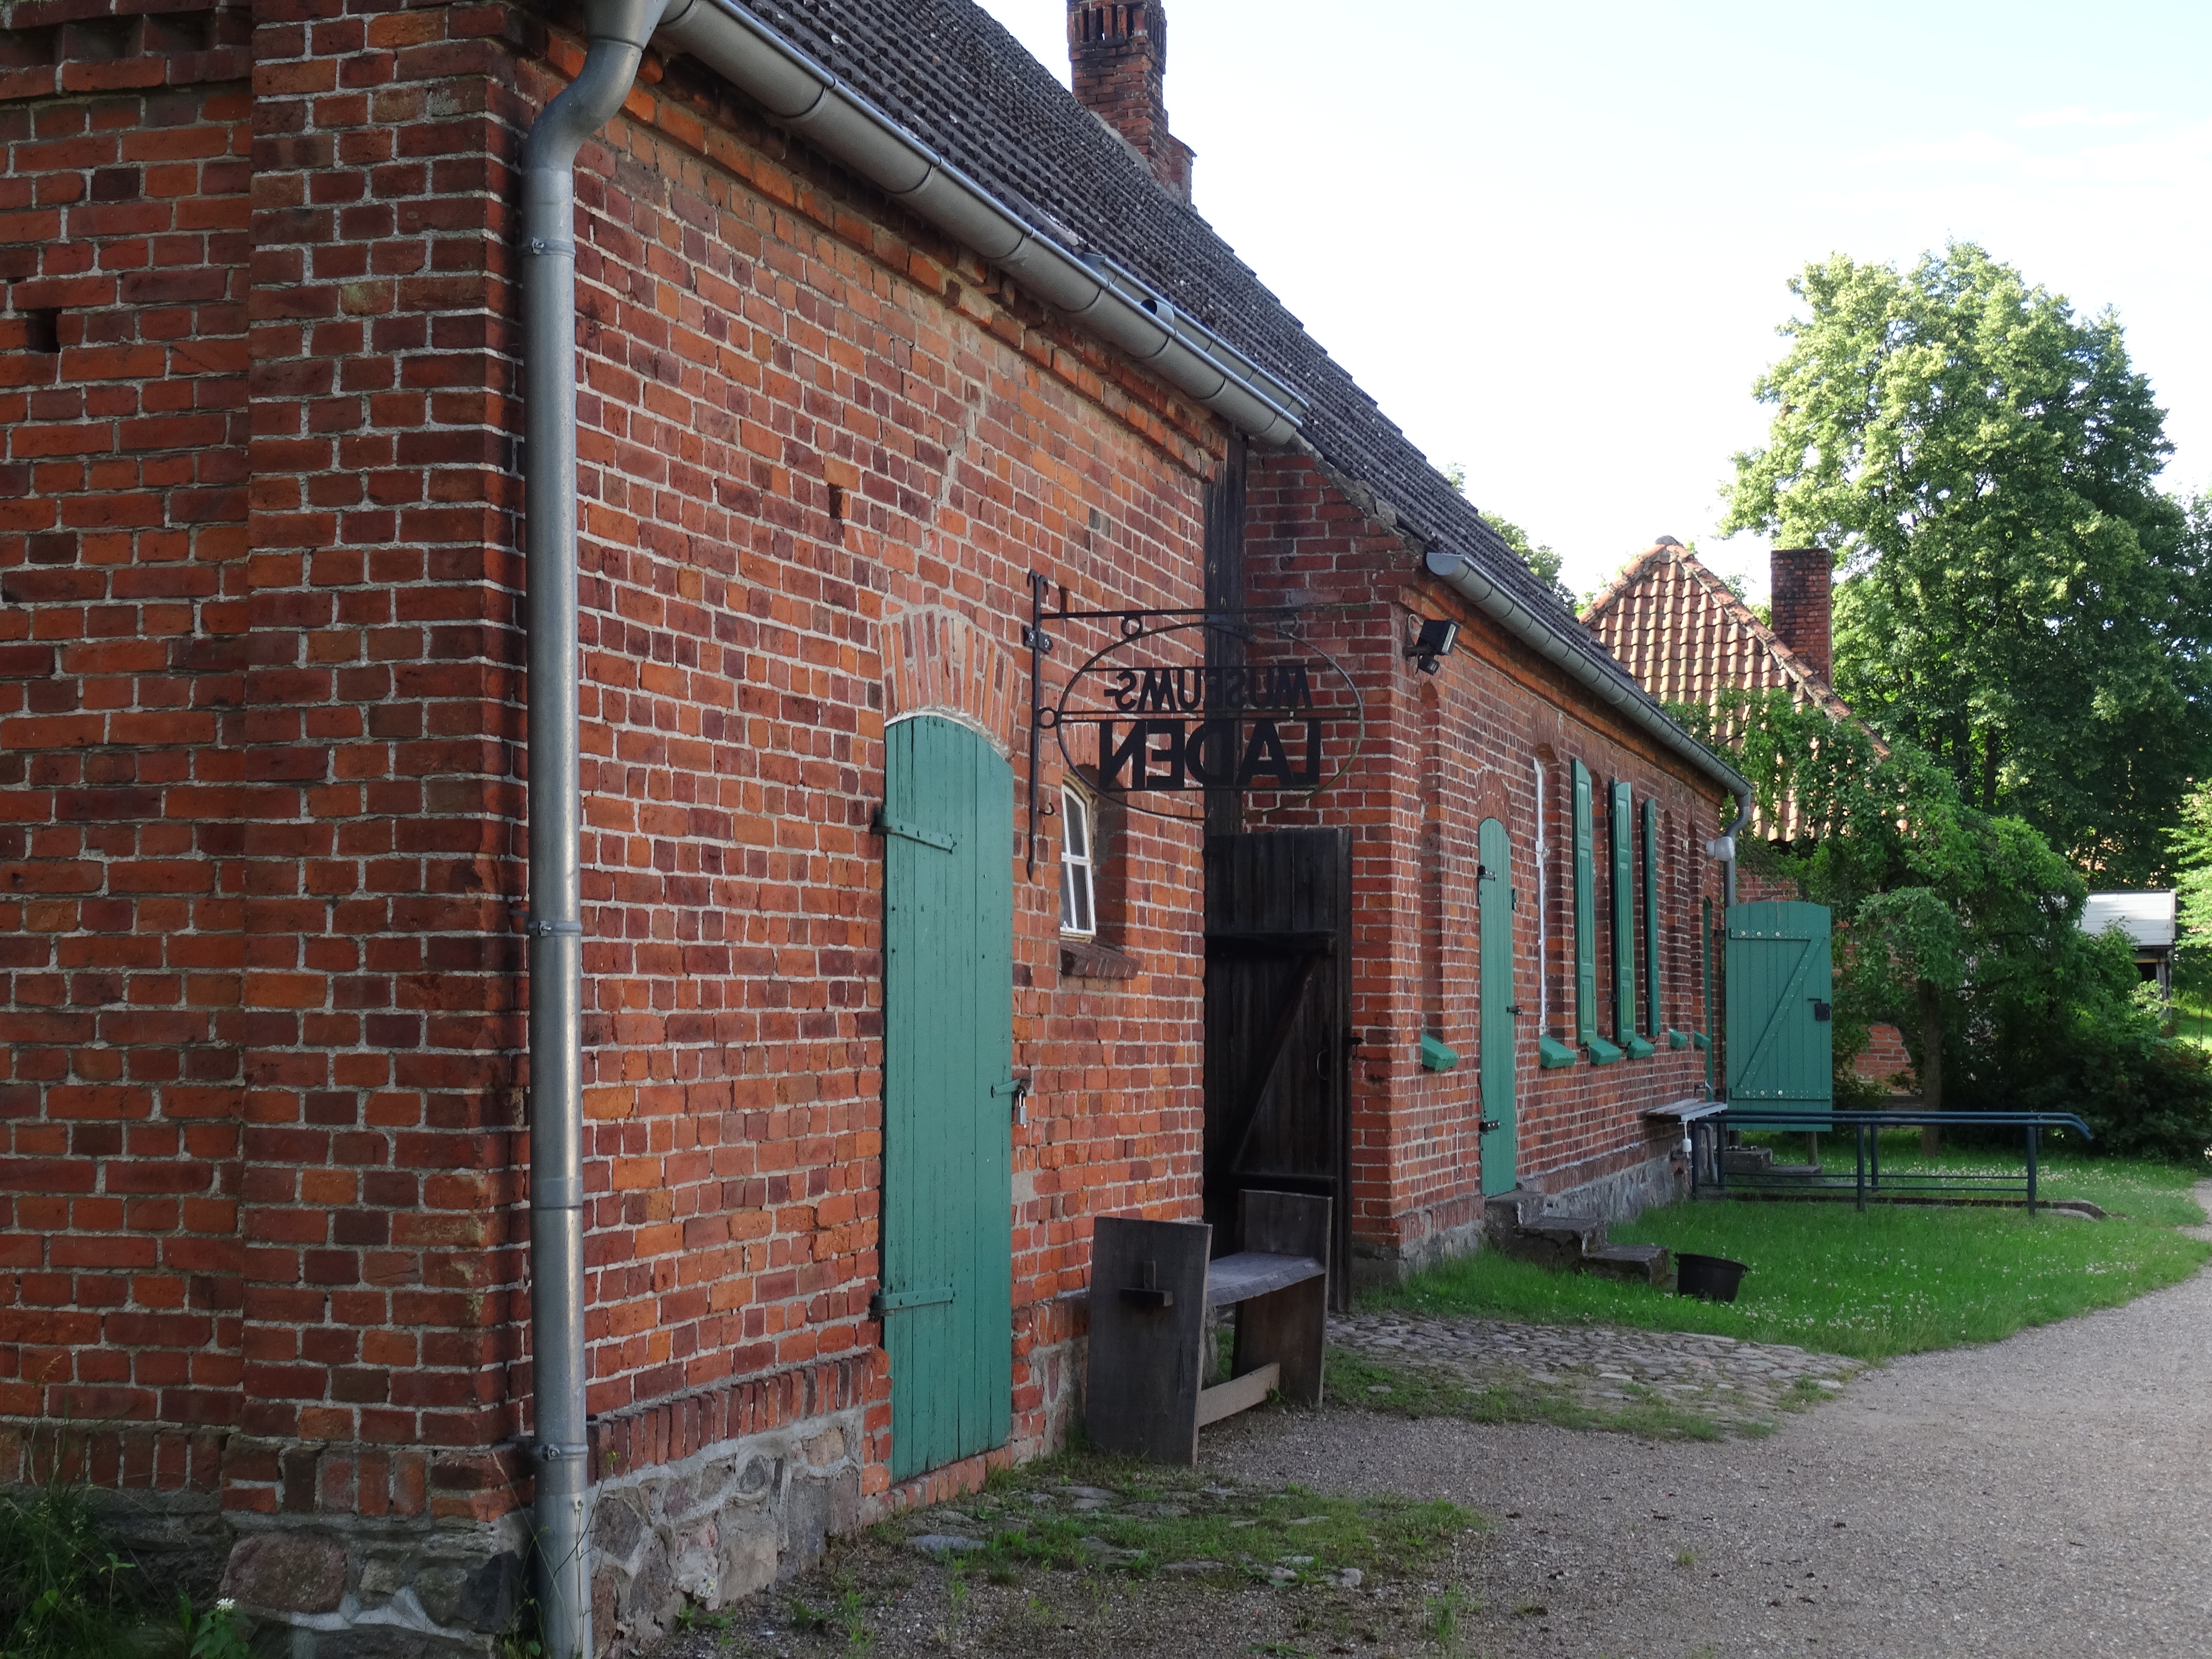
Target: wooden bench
[[1153, 1283]]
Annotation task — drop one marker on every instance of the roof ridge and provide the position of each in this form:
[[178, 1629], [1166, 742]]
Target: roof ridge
[[1814, 687]]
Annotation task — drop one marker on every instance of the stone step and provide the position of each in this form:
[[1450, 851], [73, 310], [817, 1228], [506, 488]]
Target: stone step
[[1518, 1226], [1638, 1264]]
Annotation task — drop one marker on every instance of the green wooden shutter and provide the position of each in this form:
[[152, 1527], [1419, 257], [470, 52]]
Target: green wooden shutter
[[1619, 824], [1585, 880], [947, 1229], [1653, 1023]]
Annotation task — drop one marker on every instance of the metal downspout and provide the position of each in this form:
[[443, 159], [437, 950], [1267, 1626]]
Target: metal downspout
[[1724, 848], [618, 31]]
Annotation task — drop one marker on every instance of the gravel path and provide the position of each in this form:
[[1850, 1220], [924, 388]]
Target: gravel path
[[1736, 1385], [2043, 1496]]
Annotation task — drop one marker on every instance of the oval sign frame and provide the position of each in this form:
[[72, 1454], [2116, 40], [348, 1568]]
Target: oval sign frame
[[1127, 798]]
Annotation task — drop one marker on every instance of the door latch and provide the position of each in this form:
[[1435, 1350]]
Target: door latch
[[1822, 1011], [1019, 1089], [1489, 1125]]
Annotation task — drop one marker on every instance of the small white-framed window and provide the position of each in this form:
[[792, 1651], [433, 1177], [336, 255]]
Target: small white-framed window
[[1079, 907]]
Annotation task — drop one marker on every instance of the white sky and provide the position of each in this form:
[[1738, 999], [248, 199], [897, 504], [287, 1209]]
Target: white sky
[[1552, 240]]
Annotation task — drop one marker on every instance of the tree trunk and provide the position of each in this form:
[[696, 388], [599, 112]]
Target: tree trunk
[[1992, 751], [1931, 1063]]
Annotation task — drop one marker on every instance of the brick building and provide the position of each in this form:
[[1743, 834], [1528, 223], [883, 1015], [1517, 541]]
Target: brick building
[[873, 321], [1687, 636]]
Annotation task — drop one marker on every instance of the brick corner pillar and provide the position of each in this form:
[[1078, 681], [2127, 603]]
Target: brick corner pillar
[[1117, 56], [1803, 593]]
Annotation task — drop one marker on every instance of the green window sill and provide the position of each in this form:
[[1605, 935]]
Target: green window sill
[[1677, 1039], [1552, 1053], [1602, 1053], [1435, 1054], [1638, 1048]]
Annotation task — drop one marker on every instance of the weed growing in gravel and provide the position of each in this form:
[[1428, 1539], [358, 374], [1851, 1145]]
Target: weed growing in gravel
[[1441, 1615], [1419, 1391], [1159, 1519], [1896, 1280]]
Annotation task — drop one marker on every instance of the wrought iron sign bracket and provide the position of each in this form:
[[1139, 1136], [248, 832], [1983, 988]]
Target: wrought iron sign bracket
[[1199, 711]]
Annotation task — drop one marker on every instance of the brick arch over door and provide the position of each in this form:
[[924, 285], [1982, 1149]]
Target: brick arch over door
[[938, 661]]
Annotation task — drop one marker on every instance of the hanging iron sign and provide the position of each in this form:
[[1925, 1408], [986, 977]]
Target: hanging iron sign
[[1175, 703]]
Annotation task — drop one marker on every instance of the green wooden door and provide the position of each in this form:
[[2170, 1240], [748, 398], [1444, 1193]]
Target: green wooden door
[[1494, 1000], [1781, 1042], [947, 1297]]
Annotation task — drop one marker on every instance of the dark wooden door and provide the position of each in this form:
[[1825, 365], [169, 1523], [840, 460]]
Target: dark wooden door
[[947, 1297], [1278, 1028]]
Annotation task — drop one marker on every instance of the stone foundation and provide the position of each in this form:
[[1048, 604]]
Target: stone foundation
[[711, 1529], [1659, 1179], [350, 1588]]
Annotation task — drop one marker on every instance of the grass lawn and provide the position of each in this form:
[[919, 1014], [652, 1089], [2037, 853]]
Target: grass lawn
[[1897, 1280], [2192, 1014]]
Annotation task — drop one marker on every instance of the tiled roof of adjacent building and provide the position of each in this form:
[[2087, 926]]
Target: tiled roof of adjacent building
[[948, 73], [1686, 636]]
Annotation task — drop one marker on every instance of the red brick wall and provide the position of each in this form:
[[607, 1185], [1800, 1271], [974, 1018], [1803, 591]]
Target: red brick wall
[[266, 748], [265, 1108], [1444, 752], [123, 560]]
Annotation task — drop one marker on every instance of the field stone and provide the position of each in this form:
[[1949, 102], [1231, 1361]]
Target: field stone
[[286, 1572], [944, 1543], [1191, 1569]]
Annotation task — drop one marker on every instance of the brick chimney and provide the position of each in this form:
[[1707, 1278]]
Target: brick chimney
[[1804, 601], [1118, 54]]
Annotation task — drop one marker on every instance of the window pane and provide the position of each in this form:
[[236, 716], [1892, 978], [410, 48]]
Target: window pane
[[1080, 892], [1076, 819]]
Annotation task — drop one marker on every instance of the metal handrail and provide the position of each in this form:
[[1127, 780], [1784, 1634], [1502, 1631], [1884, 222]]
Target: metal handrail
[[1866, 1128]]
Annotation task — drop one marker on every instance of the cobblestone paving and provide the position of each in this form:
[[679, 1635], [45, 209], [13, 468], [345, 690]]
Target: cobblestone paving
[[1740, 1385]]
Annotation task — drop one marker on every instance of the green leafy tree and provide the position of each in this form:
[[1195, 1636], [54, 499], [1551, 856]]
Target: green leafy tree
[[1963, 928], [2020, 601]]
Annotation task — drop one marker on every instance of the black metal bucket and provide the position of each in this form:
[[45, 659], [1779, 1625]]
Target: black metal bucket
[[1715, 1278]]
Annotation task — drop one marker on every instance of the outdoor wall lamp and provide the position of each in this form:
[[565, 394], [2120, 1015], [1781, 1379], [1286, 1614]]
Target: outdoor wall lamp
[[1432, 644]]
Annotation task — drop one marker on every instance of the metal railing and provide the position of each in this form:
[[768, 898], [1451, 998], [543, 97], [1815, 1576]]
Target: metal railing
[[1708, 1154]]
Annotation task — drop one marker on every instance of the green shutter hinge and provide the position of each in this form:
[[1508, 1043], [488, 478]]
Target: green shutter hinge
[[885, 1302], [885, 824], [1602, 1053], [1435, 1054], [1551, 1052]]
